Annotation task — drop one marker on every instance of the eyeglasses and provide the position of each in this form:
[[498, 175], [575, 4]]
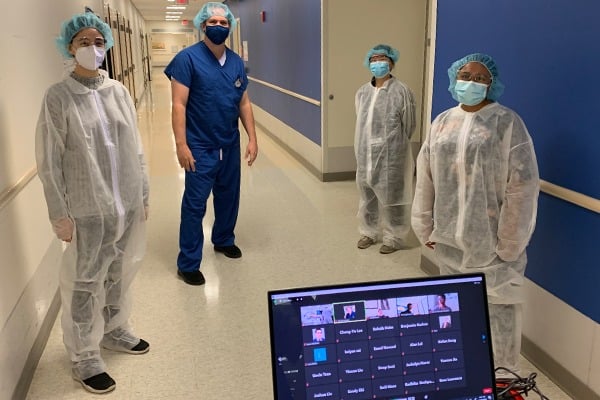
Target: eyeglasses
[[479, 78], [85, 41], [378, 57]]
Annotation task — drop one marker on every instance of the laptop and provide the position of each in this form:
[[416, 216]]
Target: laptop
[[422, 338]]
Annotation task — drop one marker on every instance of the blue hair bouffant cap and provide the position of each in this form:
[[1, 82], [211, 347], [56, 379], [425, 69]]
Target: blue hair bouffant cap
[[384, 49], [496, 88], [76, 24], [211, 9]]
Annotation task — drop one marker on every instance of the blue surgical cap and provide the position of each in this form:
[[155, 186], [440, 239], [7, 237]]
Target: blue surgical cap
[[76, 24], [211, 9], [496, 88], [384, 49]]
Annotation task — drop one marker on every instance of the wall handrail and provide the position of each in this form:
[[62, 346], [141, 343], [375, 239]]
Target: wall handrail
[[7, 195], [288, 92], [560, 192], [571, 196]]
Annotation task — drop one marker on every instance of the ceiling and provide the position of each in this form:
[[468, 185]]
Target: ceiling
[[154, 10]]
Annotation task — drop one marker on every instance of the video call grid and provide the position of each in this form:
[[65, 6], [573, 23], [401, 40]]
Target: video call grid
[[354, 347]]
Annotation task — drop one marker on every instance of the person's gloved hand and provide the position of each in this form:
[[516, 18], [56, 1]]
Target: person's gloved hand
[[63, 227]]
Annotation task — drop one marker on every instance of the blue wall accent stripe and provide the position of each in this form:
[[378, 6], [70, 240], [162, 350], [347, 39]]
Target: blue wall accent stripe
[[300, 115], [285, 51], [546, 57], [564, 256]]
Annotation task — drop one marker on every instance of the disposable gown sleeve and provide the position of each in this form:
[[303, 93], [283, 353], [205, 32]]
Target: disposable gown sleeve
[[49, 149], [519, 208], [146, 184], [140, 152], [422, 208], [408, 113], [357, 105]]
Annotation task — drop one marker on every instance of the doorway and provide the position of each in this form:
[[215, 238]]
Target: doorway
[[350, 29]]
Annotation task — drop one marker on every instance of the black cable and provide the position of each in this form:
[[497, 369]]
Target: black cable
[[507, 387]]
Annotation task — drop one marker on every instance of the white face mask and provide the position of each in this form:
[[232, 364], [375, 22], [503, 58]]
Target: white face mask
[[90, 57]]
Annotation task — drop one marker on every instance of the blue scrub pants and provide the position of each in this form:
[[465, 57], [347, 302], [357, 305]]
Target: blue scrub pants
[[217, 170]]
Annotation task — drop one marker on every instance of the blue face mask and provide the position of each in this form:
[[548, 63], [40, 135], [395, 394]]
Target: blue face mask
[[379, 69], [470, 93], [217, 33]]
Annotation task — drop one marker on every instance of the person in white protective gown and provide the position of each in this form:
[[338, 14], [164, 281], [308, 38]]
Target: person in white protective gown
[[476, 195], [91, 164], [385, 122]]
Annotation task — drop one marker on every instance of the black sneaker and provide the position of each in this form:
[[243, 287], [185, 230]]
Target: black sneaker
[[192, 278], [230, 251], [101, 383], [140, 348], [121, 340]]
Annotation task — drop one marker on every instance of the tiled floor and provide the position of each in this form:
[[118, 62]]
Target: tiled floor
[[211, 342]]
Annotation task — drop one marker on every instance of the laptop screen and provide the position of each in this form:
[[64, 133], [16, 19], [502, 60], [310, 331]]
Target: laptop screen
[[410, 339]]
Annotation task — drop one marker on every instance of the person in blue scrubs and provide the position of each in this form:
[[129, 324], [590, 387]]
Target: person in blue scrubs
[[208, 85]]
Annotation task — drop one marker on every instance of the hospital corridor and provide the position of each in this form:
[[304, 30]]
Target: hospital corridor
[[412, 212], [212, 341]]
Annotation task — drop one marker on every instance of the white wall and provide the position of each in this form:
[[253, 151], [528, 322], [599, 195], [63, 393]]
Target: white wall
[[562, 342], [29, 253], [166, 45], [167, 39], [28, 268]]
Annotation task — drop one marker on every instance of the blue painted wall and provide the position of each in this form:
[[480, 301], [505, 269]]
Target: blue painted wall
[[285, 51], [548, 53]]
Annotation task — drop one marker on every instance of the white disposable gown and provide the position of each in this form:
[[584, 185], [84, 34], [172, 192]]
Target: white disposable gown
[[385, 122], [91, 164], [476, 198]]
